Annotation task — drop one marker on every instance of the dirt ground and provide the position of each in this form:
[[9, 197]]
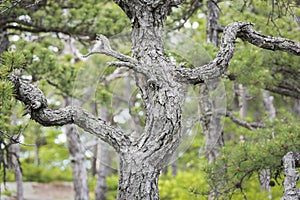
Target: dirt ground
[[40, 191]]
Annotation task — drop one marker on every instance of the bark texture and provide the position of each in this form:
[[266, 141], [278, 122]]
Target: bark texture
[[290, 161]]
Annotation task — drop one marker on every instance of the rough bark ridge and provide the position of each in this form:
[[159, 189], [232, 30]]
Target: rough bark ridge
[[290, 161], [162, 86]]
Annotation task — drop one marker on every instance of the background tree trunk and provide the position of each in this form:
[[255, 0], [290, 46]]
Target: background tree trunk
[[78, 163], [265, 175], [14, 150], [210, 120], [36, 154], [102, 162]]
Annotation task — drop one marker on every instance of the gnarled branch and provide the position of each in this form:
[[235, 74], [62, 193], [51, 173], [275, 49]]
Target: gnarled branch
[[219, 65], [268, 42], [29, 94]]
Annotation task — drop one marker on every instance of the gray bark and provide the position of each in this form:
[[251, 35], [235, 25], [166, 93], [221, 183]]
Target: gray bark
[[162, 87], [290, 161]]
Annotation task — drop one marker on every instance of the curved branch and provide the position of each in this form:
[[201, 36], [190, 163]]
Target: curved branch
[[31, 96], [88, 122], [219, 65]]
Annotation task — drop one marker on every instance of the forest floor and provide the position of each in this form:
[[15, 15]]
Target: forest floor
[[39, 191]]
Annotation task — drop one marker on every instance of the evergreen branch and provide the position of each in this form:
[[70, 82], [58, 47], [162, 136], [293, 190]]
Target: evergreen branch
[[28, 93], [219, 65]]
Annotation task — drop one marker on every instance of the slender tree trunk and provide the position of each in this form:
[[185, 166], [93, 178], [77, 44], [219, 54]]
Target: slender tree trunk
[[265, 175], [14, 151], [210, 120], [296, 108], [102, 162], [212, 22], [36, 155], [4, 42], [103, 170], [78, 163], [94, 161], [243, 104]]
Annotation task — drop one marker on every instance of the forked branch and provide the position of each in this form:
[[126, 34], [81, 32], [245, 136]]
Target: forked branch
[[102, 46]]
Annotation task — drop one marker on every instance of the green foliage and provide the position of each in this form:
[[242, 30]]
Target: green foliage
[[182, 186], [240, 160], [71, 17], [45, 174]]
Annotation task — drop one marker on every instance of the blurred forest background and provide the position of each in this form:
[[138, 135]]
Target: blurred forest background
[[44, 42]]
